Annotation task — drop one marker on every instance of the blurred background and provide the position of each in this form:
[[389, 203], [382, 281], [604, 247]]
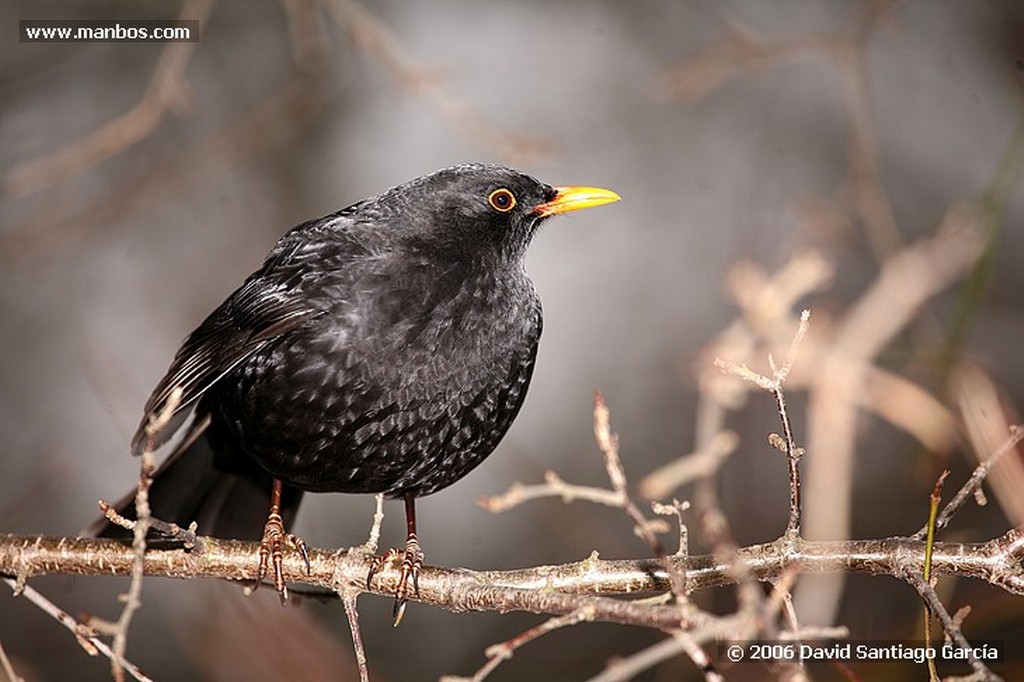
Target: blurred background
[[141, 183]]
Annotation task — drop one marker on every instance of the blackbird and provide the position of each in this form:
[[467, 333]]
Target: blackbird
[[384, 348]]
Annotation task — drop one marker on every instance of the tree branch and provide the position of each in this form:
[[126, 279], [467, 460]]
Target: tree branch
[[552, 590]]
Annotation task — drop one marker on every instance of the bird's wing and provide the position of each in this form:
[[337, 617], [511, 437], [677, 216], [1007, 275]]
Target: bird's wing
[[256, 314]]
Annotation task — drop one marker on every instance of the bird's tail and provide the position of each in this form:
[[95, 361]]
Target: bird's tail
[[226, 499]]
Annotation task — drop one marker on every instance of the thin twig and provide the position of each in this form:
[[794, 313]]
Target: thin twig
[[793, 455], [774, 385], [974, 482], [676, 509], [553, 486], [85, 635], [187, 537], [926, 573], [348, 598], [950, 627], [608, 443], [498, 653], [627, 668], [7, 667], [133, 598], [699, 464]]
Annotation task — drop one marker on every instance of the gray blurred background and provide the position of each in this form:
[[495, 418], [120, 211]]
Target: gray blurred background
[[290, 110]]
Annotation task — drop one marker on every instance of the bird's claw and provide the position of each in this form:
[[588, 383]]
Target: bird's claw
[[272, 554], [412, 562]]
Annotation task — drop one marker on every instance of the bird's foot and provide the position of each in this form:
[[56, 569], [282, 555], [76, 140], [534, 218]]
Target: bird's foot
[[409, 576], [275, 539]]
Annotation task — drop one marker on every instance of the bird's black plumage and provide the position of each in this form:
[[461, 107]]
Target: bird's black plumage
[[386, 347]]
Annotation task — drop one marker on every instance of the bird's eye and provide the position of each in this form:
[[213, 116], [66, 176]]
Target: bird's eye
[[502, 200]]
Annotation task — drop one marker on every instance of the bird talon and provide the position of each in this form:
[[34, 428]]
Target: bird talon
[[297, 543], [272, 547], [398, 611], [378, 563], [412, 562], [409, 570]]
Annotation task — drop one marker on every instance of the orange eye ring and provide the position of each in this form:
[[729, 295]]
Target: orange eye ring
[[502, 200]]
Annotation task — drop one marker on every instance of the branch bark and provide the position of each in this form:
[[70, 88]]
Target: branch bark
[[593, 583]]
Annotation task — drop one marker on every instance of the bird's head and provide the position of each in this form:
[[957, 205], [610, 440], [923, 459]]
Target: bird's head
[[477, 211]]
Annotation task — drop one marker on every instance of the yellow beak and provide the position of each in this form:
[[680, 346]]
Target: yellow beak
[[574, 198]]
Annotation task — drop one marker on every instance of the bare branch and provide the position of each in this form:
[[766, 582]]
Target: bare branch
[[676, 509], [974, 482], [348, 598], [608, 443], [5, 665], [774, 384], [553, 486], [370, 546], [670, 647], [699, 464], [503, 651], [950, 627], [544, 589], [86, 636], [132, 599]]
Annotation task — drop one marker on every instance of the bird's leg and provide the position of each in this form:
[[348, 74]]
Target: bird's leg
[[271, 546], [412, 562]]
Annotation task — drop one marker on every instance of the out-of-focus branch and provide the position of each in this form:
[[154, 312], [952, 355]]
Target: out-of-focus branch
[[374, 38], [64, 226], [660, 483], [167, 90], [7, 667], [741, 51], [88, 638], [987, 417], [504, 650]]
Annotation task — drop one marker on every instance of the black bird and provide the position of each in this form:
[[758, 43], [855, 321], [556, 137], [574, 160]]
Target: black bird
[[384, 348]]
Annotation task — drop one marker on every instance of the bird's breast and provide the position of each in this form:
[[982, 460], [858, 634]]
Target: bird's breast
[[394, 380]]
